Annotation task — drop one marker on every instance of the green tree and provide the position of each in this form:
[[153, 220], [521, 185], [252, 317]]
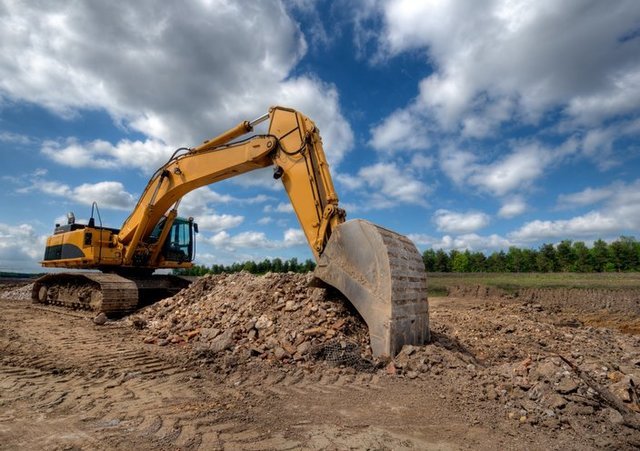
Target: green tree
[[599, 255], [460, 261], [442, 263], [429, 260], [497, 262], [477, 262], [547, 260], [566, 257], [583, 260], [623, 254]]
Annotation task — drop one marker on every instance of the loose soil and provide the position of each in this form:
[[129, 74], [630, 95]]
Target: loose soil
[[246, 362]]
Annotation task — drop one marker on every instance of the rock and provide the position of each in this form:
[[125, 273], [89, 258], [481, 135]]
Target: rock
[[263, 323], [280, 353], [138, 323], [412, 374], [209, 333], [100, 319], [303, 348], [545, 371], [291, 306], [315, 331], [391, 369], [163, 342], [622, 388], [555, 401], [614, 416], [408, 349], [566, 386], [223, 342]]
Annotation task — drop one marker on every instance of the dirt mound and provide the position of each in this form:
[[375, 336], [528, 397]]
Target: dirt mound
[[275, 317], [20, 293], [526, 364], [623, 300]]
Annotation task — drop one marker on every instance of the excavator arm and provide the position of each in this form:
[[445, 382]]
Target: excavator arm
[[292, 145]]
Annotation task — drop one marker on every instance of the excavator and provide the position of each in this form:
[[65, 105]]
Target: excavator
[[379, 271]]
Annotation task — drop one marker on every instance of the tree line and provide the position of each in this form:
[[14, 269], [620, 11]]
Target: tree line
[[262, 267], [567, 256]]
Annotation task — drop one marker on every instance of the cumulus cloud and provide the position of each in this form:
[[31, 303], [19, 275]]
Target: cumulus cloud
[[147, 155], [216, 223], [515, 171], [455, 222], [598, 143], [588, 196], [619, 213], [156, 71], [512, 207], [470, 241], [107, 194], [20, 246], [402, 130], [282, 207], [592, 223], [393, 184], [256, 240], [15, 138], [498, 64]]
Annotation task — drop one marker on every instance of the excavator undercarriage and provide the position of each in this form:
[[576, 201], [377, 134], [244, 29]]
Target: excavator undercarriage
[[109, 293]]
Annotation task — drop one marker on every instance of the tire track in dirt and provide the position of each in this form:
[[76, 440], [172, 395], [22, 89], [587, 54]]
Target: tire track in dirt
[[120, 391]]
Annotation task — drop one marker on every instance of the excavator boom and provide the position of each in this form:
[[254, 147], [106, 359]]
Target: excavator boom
[[379, 271]]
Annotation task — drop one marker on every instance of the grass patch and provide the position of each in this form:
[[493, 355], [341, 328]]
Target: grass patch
[[511, 282]]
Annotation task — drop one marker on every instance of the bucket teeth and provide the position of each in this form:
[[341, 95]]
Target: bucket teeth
[[383, 276]]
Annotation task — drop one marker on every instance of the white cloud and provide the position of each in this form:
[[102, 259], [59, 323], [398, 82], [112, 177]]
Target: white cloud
[[139, 63], [454, 222], [294, 237], [585, 225], [512, 207], [16, 138], [402, 130], [256, 240], [216, 223], [394, 184], [196, 203], [493, 62], [588, 196], [107, 194], [20, 246], [147, 155], [470, 241], [515, 171], [598, 144], [619, 214], [282, 207]]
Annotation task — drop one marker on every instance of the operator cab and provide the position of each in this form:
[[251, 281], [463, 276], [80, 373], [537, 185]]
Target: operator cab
[[180, 245]]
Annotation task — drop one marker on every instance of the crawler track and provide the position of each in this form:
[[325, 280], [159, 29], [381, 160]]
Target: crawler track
[[111, 294]]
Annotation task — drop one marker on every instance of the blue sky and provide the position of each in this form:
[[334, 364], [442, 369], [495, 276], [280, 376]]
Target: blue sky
[[469, 125]]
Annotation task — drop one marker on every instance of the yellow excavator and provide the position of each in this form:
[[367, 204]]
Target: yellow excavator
[[379, 271]]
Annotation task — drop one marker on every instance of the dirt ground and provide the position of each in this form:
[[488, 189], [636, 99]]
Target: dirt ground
[[500, 373]]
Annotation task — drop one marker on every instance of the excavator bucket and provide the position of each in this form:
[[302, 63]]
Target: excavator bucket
[[383, 276]]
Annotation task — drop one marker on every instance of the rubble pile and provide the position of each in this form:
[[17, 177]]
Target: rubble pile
[[495, 358], [276, 317], [518, 360], [21, 293]]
